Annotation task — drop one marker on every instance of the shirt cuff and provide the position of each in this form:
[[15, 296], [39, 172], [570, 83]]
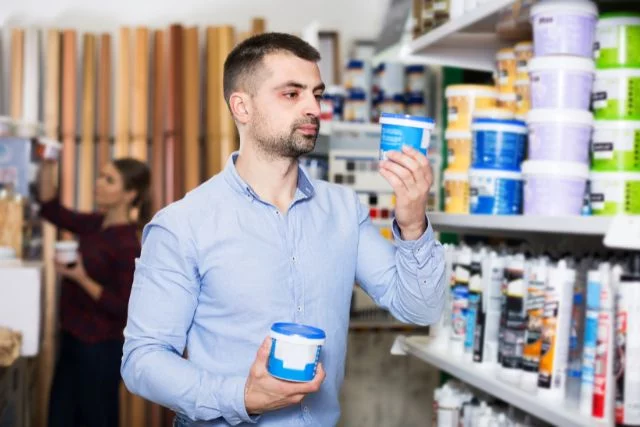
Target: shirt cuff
[[232, 402], [419, 249]]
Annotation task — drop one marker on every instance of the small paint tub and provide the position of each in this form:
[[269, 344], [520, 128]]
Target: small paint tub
[[295, 351], [561, 82], [401, 129], [523, 97], [616, 94], [498, 144], [615, 193], [456, 192], [564, 27], [506, 59], [559, 135], [524, 53], [618, 40], [616, 146], [458, 149], [554, 188], [48, 149], [495, 192], [463, 100], [494, 113], [66, 252]]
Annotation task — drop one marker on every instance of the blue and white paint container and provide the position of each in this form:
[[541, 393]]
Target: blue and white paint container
[[498, 144], [295, 351], [402, 129], [495, 192]]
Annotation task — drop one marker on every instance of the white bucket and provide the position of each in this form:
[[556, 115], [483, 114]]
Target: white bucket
[[399, 130]]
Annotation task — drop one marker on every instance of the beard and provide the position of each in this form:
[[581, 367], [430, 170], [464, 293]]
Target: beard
[[288, 144]]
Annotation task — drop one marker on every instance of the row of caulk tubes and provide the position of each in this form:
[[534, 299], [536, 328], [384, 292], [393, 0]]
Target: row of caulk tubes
[[567, 329]]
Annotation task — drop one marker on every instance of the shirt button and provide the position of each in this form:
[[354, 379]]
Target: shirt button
[[299, 308], [305, 409], [293, 258]]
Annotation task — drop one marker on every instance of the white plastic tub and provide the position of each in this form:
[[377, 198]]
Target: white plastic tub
[[402, 129], [561, 82], [295, 351], [559, 135], [66, 252], [615, 193]]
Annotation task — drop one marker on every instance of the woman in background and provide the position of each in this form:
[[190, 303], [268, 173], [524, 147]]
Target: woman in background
[[95, 291]]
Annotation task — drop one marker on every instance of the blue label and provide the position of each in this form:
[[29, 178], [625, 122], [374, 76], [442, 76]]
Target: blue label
[[471, 317], [393, 137], [276, 367], [497, 150], [589, 347], [496, 196]]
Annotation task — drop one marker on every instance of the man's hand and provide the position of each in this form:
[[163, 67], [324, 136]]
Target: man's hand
[[410, 175], [263, 393]]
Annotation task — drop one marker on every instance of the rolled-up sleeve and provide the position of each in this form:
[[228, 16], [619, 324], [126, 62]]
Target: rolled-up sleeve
[[163, 301], [406, 278]]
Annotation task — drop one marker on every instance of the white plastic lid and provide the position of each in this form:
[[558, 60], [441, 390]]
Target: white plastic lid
[[457, 134], [506, 54], [468, 90], [493, 113], [617, 125], [50, 141], [494, 173], [618, 19], [451, 175], [508, 96], [66, 245], [567, 6], [523, 47], [615, 176], [523, 82], [548, 168], [618, 73], [561, 62], [7, 253], [560, 116]]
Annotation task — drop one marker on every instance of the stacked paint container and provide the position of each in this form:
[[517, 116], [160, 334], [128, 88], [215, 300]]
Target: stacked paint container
[[615, 167], [463, 102], [560, 124]]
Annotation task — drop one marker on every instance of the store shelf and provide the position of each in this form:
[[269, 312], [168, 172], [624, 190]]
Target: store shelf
[[327, 128], [497, 224], [484, 378], [469, 41]]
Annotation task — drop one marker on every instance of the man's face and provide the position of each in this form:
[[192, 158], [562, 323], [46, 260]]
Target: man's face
[[285, 117]]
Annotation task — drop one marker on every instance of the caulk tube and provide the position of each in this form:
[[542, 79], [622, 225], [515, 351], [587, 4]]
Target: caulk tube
[[603, 388], [485, 342], [555, 332], [474, 311], [627, 358], [514, 326], [590, 340], [503, 309], [576, 337], [439, 332], [460, 294], [534, 306]]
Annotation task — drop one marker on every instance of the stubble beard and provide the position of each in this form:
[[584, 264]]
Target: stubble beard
[[288, 145]]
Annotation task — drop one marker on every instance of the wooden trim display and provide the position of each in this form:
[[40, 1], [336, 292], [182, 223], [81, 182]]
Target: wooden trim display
[[220, 137], [123, 95], [87, 146], [157, 149], [17, 72], [104, 101], [31, 80], [69, 90], [191, 109], [140, 92], [173, 140], [258, 26]]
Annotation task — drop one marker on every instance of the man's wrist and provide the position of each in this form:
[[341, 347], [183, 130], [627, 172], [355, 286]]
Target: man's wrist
[[413, 232]]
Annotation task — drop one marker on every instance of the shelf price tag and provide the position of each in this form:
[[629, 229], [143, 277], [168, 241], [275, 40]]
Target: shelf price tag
[[624, 233]]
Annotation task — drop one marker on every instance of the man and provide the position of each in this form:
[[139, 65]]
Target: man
[[260, 243]]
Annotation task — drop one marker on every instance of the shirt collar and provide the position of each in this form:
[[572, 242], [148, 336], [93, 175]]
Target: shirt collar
[[305, 185]]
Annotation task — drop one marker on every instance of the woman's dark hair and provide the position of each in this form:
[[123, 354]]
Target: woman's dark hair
[[136, 176]]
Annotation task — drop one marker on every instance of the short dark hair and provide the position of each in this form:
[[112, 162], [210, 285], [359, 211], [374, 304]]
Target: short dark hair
[[245, 59]]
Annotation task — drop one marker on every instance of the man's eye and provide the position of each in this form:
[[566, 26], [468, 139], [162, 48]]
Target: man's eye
[[318, 97], [291, 95]]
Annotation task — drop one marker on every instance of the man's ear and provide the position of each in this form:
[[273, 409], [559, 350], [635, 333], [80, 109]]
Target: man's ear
[[240, 105]]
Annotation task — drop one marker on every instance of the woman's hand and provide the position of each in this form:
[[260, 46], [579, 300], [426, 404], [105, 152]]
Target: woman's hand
[[77, 273]]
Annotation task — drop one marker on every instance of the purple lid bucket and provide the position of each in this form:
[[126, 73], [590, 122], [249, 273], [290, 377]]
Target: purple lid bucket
[[559, 135], [561, 82]]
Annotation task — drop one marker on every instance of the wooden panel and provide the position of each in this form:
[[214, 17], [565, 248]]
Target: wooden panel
[[46, 360], [69, 77], [87, 147], [173, 145], [31, 78], [221, 138], [258, 26], [140, 95], [123, 88], [17, 70], [157, 154], [191, 109], [104, 100]]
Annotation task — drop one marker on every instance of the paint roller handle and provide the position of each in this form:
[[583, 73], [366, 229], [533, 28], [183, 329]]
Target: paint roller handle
[[264, 393]]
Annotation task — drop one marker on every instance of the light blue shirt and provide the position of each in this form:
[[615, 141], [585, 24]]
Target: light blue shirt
[[220, 266]]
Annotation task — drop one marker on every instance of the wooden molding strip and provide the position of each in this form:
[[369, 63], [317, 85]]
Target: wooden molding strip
[[157, 150], [17, 72], [258, 26], [87, 147], [173, 146], [104, 100], [123, 92], [69, 90], [191, 109], [31, 79], [140, 92]]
